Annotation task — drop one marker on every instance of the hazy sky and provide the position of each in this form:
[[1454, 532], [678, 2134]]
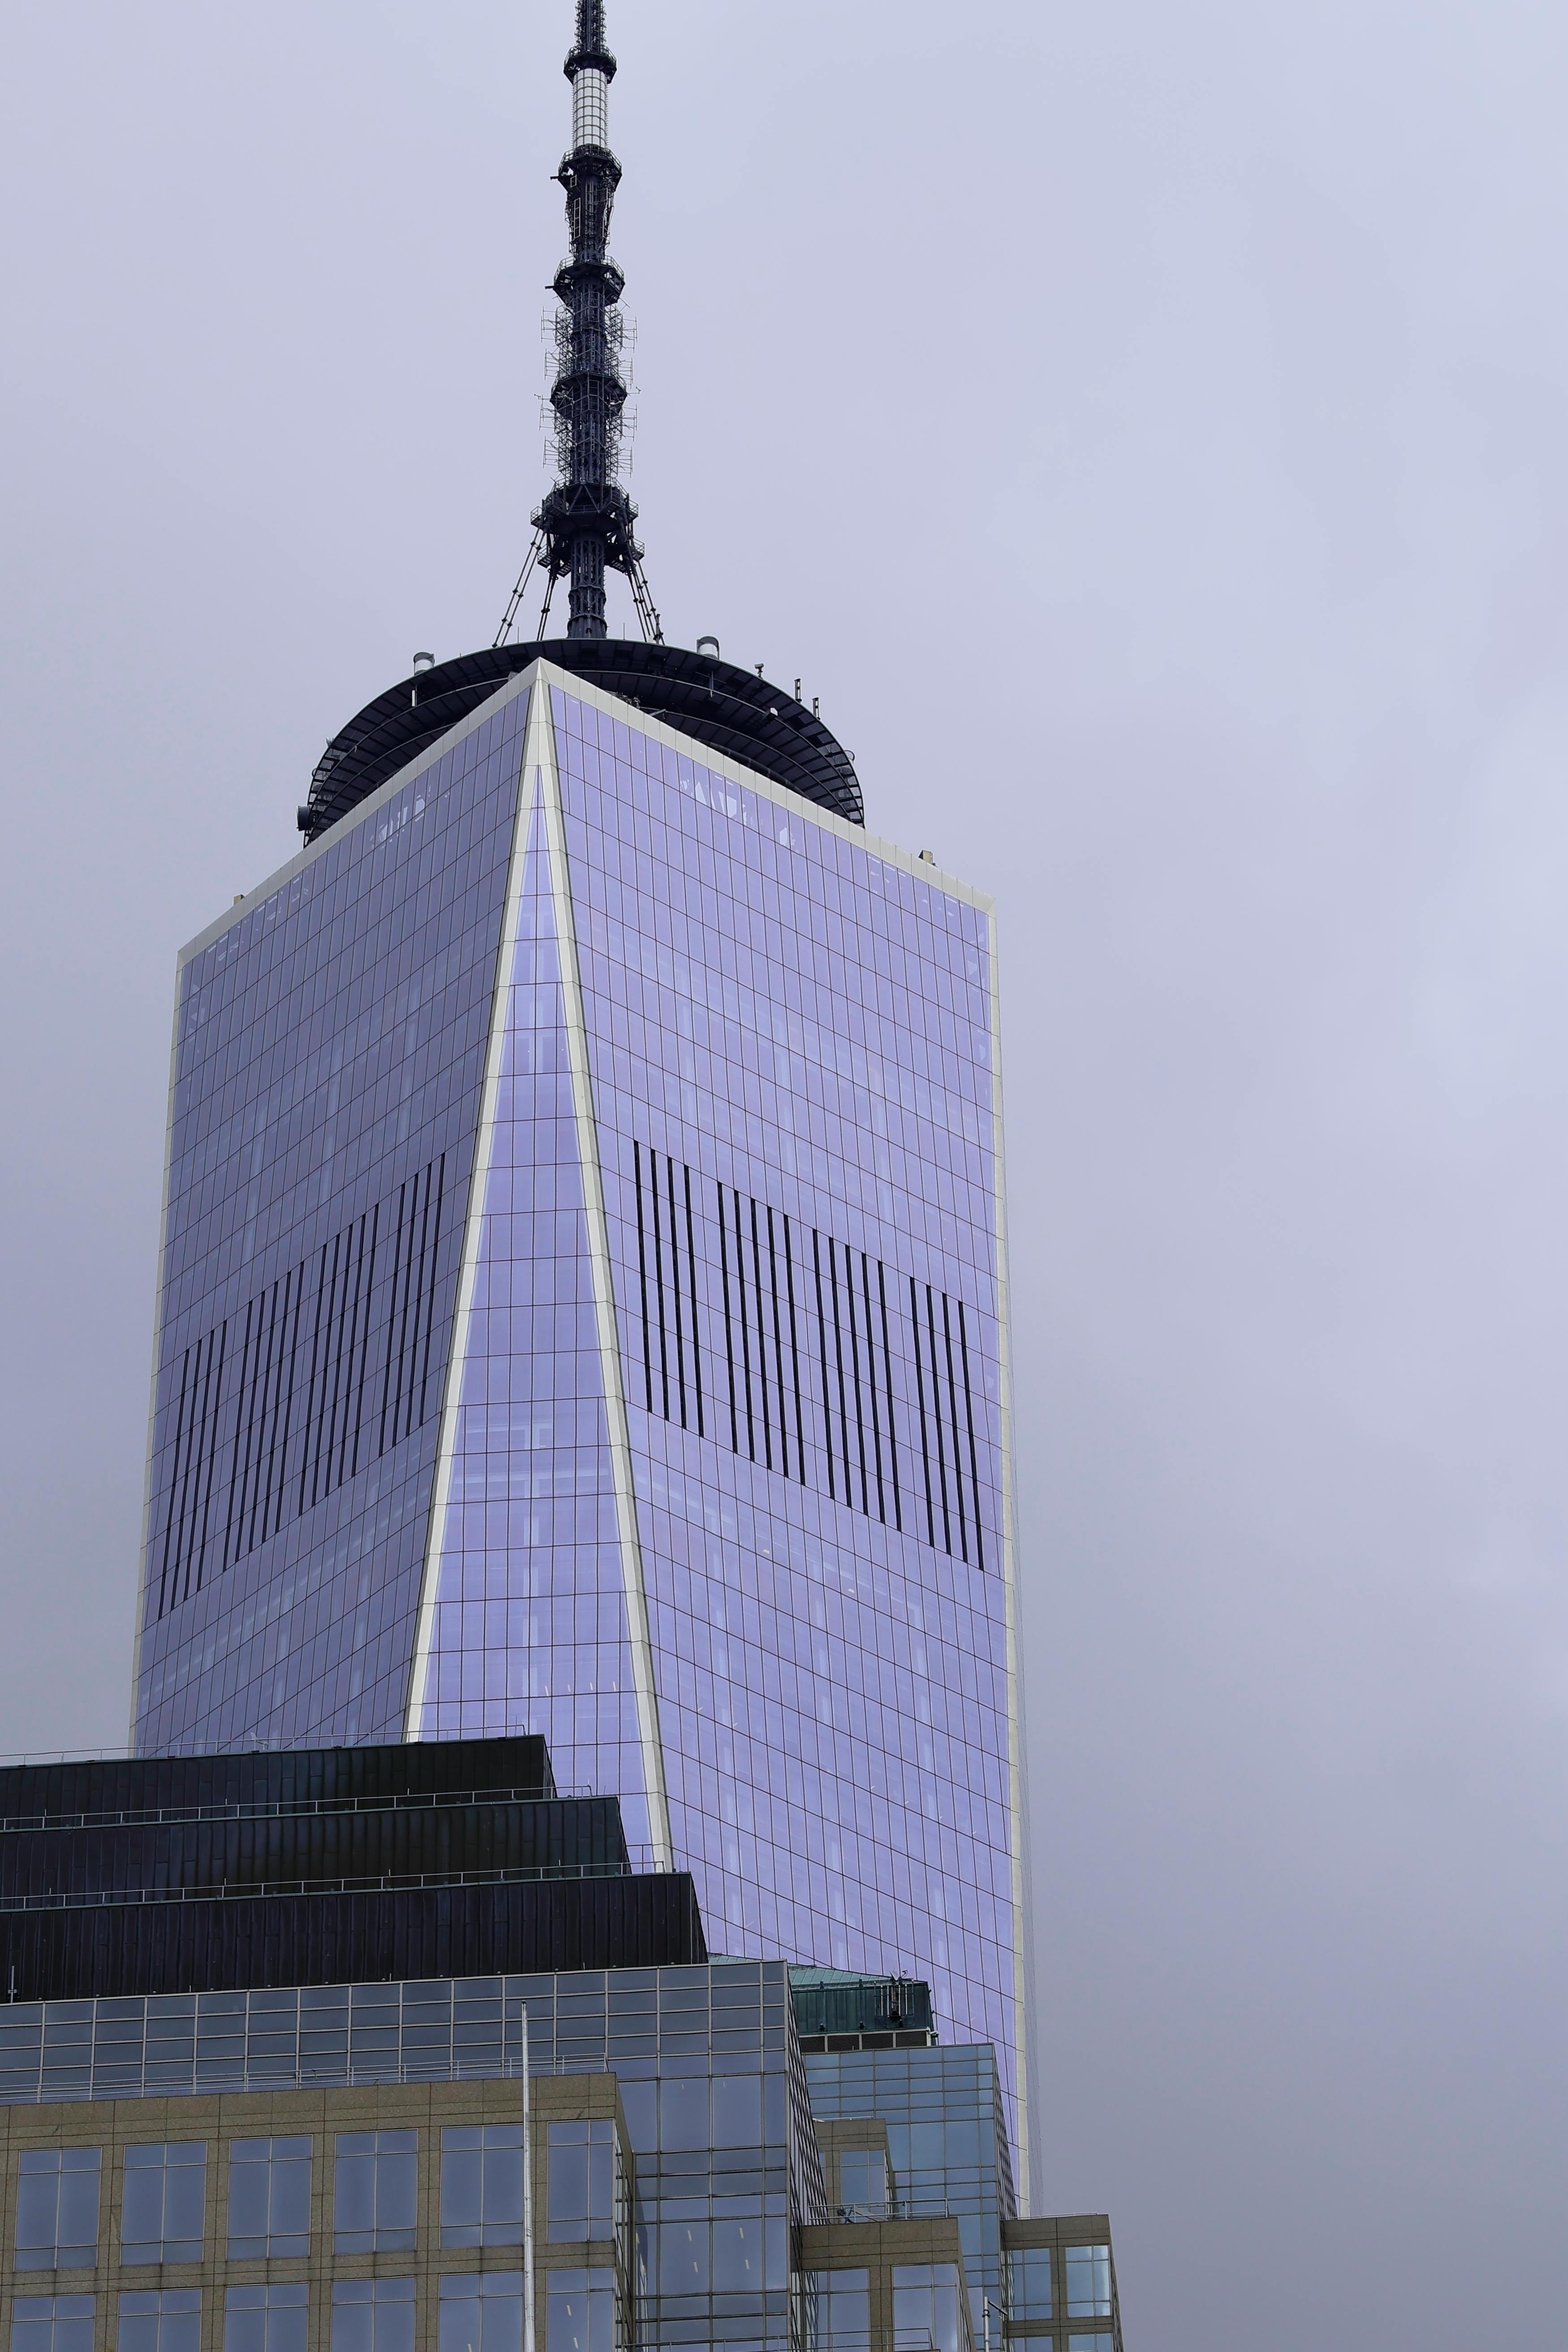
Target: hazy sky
[[1146, 428]]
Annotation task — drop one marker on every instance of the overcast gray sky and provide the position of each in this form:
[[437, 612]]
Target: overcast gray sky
[[1146, 428]]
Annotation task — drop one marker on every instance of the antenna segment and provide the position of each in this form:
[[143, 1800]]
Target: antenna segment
[[586, 524]]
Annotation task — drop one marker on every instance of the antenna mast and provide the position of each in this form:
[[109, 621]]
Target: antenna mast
[[586, 524]]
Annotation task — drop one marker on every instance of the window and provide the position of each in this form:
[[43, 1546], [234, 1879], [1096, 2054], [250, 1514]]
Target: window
[[165, 2203], [482, 2185], [57, 2208], [683, 2110], [170, 2322], [1030, 2283], [1088, 2282], [740, 2255], [52, 2323], [269, 2198], [266, 2319], [925, 2306], [375, 2190], [373, 2314], [579, 2312], [737, 2111], [681, 2254], [482, 2314], [862, 2177], [585, 2177], [838, 2308], [1089, 2342]]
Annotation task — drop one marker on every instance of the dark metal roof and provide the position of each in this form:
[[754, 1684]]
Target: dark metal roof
[[728, 710]]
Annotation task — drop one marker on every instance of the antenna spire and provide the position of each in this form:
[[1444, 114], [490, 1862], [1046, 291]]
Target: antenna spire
[[586, 524]]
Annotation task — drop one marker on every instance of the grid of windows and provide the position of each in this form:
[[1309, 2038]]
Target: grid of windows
[[946, 2144], [329, 1054]]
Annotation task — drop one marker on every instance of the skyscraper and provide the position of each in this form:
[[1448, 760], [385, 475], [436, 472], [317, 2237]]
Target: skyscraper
[[583, 1300]]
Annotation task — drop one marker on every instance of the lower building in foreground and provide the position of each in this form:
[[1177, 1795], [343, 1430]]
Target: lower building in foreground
[[207, 2148]]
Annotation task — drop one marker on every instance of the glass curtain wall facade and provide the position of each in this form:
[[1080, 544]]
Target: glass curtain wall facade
[[583, 1312]]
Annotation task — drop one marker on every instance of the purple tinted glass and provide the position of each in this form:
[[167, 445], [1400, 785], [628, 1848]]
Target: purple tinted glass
[[329, 1047], [529, 1624], [790, 1042]]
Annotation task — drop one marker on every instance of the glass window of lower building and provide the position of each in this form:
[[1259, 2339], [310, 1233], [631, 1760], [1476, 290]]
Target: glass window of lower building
[[57, 2208], [266, 2318], [52, 2323], [373, 2314], [269, 2198], [374, 2192], [1099, 2343], [1088, 2281], [164, 2204], [839, 2310], [482, 2185], [481, 2314], [581, 2312], [585, 2174], [1029, 2283], [925, 2307], [863, 2179], [169, 2322]]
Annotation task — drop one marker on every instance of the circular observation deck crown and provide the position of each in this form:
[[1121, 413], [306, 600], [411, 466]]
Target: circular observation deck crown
[[728, 710]]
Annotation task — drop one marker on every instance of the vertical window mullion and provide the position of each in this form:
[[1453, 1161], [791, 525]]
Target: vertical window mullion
[[658, 1284], [778, 1344], [430, 1290], [675, 1282], [936, 1412], [762, 1341], [368, 1295], [728, 1327], [745, 1329], [855, 1371], [198, 1564], [838, 1368], [691, 1268], [888, 1368], [171, 1519], [397, 1313], [920, 1396], [642, 1277], [794, 1356], [973, 1453], [312, 1445], [822, 1344], [871, 1371], [957, 1449]]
